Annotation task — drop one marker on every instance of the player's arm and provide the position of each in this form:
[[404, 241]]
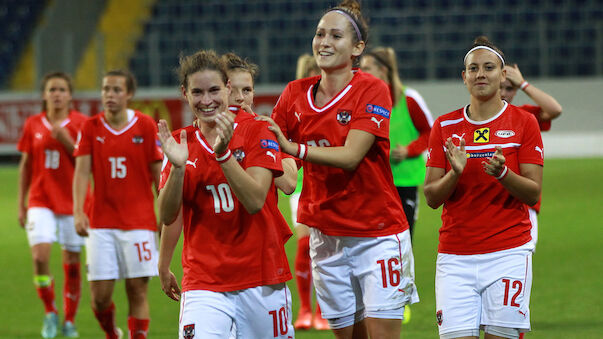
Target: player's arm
[[155, 168], [422, 120], [288, 181], [25, 170], [347, 157], [170, 196], [81, 177], [63, 136], [439, 184], [169, 239], [525, 185], [550, 108]]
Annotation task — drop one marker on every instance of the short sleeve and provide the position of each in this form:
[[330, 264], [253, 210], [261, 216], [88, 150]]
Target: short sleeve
[[435, 150], [373, 110], [263, 149], [279, 113], [83, 145], [532, 149]]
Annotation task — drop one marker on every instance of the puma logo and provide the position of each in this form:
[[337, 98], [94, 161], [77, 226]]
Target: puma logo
[[458, 137], [298, 116], [272, 155], [537, 148], [194, 164], [100, 139], [378, 122]]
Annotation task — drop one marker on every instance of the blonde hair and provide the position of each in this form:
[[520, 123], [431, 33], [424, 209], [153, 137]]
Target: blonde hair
[[305, 65], [386, 57]]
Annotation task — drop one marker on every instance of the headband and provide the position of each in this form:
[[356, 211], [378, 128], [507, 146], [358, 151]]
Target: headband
[[487, 48], [351, 20]]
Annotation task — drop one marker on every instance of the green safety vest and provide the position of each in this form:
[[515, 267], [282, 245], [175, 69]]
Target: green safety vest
[[410, 172]]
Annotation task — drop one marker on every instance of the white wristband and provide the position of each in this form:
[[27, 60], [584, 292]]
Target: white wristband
[[224, 156], [302, 151], [524, 85], [503, 173]]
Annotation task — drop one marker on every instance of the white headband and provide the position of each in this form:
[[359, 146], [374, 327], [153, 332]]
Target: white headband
[[487, 48], [351, 20]]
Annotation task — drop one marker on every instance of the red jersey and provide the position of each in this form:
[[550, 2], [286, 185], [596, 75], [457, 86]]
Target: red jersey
[[121, 160], [359, 203], [481, 216], [226, 248], [421, 119], [544, 126], [52, 165]]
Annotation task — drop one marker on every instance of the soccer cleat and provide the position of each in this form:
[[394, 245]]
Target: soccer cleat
[[406, 315], [69, 330], [304, 320], [320, 323], [49, 327]]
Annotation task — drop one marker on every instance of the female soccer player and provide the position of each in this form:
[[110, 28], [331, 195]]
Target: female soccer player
[[484, 165], [119, 147], [306, 67], [338, 124], [45, 175], [218, 189], [409, 129], [545, 110]]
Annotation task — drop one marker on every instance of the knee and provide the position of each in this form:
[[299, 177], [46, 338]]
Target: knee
[[137, 290], [100, 302]]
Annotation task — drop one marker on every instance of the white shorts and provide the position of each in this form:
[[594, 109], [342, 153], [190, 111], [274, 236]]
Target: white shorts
[[493, 289], [117, 254], [293, 202], [43, 225], [365, 277], [257, 312], [534, 221]]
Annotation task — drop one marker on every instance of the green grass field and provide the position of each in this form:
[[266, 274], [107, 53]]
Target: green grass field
[[567, 294]]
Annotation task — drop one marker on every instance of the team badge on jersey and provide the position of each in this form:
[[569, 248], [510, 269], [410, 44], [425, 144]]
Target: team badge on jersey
[[481, 135], [267, 143], [439, 317], [374, 109], [188, 332], [137, 139], [238, 154], [344, 116]]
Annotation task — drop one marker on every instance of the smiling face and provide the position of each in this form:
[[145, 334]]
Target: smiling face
[[207, 95], [483, 74], [241, 83], [333, 44], [56, 94], [115, 94]]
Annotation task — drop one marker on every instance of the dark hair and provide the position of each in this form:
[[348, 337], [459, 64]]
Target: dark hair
[[483, 40], [55, 75], [352, 8], [386, 57], [235, 62], [130, 80], [200, 61]]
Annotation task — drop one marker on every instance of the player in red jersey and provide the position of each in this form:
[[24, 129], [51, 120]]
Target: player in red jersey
[[218, 189], [545, 110], [410, 125], [120, 148], [306, 67], [45, 175], [338, 124], [485, 166]]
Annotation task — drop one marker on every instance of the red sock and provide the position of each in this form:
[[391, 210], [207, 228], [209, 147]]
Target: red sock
[[46, 293], [318, 313], [106, 319], [303, 273], [138, 327], [521, 335], [71, 290]]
